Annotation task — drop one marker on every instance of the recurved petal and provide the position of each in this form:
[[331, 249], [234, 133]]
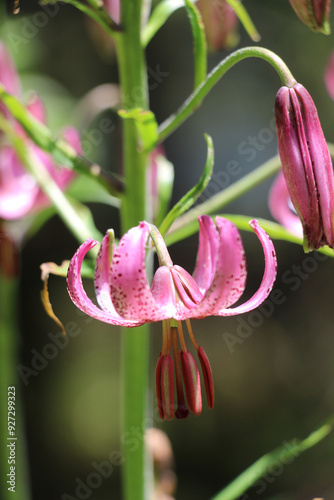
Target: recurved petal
[[129, 288], [279, 204], [207, 253], [230, 272], [268, 279], [102, 273], [79, 296]]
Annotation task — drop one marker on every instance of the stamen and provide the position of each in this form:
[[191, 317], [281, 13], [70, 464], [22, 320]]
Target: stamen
[[181, 337], [207, 375], [191, 334], [167, 387], [192, 382], [166, 337], [182, 410], [158, 386]]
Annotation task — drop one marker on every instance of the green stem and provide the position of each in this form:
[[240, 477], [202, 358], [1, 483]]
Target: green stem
[[187, 224], [135, 348], [282, 456], [9, 348], [195, 99]]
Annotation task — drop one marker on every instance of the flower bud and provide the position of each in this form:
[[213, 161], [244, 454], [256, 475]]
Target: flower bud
[[306, 164], [220, 22], [313, 13]]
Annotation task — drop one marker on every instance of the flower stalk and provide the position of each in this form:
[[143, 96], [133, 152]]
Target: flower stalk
[[135, 347], [195, 99]]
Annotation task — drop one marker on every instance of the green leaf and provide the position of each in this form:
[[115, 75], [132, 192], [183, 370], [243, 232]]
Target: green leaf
[[283, 455], [199, 40], [189, 199], [146, 125], [245, 19], [164, 188], [158, 18]]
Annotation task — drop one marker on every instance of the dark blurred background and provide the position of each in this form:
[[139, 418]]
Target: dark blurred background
[[273, 384]]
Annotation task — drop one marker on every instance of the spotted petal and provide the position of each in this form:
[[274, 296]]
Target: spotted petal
[[79, 296], [229, 274], [129, 288], [207, 253], [268, 277]]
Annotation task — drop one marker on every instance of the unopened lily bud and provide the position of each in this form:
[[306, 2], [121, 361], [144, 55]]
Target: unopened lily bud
[[313, 13], [306, 164], [220, 22]]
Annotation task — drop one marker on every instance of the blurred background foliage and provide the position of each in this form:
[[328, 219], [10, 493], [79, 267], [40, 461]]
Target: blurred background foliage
[[277, 382]]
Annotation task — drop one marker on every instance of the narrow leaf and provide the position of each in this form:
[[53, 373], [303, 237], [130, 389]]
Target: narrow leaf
[[285, 454], [189, 199], [199, 41], [158, 18], [245, 19]]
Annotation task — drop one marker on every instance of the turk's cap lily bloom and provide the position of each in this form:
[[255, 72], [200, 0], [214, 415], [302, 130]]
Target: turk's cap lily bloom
[[306, 164], [281, 207], [125, 297], [220, 22], [19, 193], [313, 13]]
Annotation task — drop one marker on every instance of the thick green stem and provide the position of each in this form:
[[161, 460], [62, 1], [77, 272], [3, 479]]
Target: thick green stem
[[133, 79], [195, 99]]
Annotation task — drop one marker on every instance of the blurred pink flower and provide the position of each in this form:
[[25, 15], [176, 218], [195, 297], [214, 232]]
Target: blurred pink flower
[[329, 76], [113, 7], [281, 207], [220, 22], [19, 193], [126, 298]]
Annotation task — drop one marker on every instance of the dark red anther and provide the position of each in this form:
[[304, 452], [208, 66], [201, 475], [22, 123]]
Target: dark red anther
[[207, 375]]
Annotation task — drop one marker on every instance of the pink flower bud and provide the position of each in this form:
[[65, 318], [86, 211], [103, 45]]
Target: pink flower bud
[[306, 164], [313, 13], [220, 22]]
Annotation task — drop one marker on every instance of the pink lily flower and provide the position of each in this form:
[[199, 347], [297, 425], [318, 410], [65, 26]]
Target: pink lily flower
[[126, 298], [306, 164], [19, 193], [281, 207]]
